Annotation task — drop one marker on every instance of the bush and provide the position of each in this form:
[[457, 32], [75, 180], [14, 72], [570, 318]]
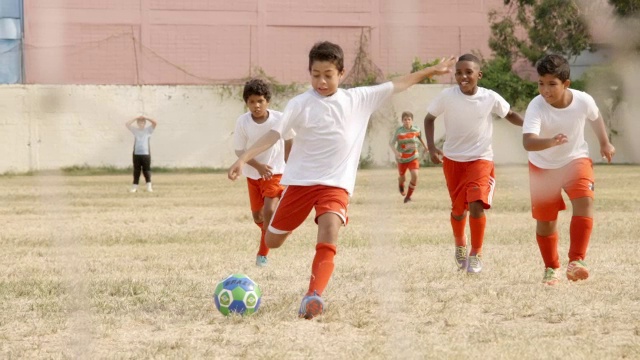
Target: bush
[[498, 76]]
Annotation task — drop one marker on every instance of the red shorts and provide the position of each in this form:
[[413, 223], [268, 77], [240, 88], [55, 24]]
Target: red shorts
[[575, 178], [468, 182], [260, 189], [411, 165], [297, 201]]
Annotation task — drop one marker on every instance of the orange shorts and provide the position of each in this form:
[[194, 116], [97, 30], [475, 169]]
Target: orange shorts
[[297, 201], [411, 165], [468, 182], [260, 189], [575, 178]]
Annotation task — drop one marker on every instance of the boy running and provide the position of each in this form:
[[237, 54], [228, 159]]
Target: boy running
[[553, 134], [264, 171], [404, 144], [468, 157], [330, 125]]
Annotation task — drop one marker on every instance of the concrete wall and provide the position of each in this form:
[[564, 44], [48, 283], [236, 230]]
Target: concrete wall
[[53, 126], [221, 41]]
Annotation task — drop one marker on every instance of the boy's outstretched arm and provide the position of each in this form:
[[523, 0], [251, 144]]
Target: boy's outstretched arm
[[130, 122], [445, 66], [514, 118], [533, 142], [607, 151], [263, 169], [265, 142], [429, 130]]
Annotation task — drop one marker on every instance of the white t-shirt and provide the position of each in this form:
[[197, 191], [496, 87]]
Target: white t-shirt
[[547, 121], [247, 132], [468, 123], [329, 134], [141, 145]]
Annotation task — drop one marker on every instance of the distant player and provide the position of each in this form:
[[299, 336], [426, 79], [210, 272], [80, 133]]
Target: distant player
[[468, 156], [264, 171], [404, 144], [553, 133], [330, 125], [141, 150]]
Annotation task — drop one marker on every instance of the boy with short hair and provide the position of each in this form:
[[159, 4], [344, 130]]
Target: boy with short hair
[[330, 125], [468, 156], [141, 150], [553, 134], [404, 144], [264, 171]]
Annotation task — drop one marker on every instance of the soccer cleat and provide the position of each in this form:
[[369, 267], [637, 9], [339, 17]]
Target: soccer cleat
[[401, 188], [149, 187], [407, 199], [133, 189], [577, 270], [474, 264], [461, 257], [261, 261], [311, 306], [550, 276]]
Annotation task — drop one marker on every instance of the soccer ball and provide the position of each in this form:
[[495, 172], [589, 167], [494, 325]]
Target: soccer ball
[[237, 294]]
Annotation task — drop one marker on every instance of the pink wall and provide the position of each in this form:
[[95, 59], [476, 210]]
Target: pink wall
[[222, 41]]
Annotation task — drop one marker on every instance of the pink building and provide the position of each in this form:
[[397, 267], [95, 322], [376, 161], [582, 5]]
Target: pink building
[[222, 41]]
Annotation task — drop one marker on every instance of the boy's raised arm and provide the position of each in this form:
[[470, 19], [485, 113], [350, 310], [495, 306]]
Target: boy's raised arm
[[445, 66]]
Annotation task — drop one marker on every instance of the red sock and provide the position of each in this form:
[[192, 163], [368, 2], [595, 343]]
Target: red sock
[[477, 225], [549, 250], [412, 187], [322, 268], [580, 233], [264, 249], [458, 230]]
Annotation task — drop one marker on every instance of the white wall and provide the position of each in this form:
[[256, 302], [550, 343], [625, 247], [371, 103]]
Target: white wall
[[53, 126]]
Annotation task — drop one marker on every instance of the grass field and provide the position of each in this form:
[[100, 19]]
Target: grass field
[[89, 271]]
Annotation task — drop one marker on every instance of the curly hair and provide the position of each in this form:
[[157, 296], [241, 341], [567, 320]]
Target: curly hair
[[256, 87]]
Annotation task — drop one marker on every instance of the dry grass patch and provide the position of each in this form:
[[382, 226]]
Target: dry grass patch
[[88, 270]]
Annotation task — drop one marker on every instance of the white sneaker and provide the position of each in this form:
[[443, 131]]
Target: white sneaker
[[149, 188], [133, 189]]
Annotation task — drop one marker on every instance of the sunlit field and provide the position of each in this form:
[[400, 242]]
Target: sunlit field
[[88, 270]]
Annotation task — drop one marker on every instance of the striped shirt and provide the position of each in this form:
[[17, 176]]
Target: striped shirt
[[407, 141]]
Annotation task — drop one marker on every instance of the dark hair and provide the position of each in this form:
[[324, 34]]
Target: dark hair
[[327, 51], [256, 87], [555, 65], [470, 57], [405, 114]]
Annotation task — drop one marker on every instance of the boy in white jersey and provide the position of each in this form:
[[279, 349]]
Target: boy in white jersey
[[467, 157], [553, 133], [330, 126], [141, 150], [264, 171]]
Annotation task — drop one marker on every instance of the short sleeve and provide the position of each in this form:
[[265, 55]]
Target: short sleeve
[[239, 136], [500, 107], [372, 97], [289, 117], [532, 119], [436, 107], [592, 108]]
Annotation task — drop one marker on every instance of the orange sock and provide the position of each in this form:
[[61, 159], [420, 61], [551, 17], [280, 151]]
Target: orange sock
[[580, 233], [322, 268], [458, 230], [549, 250], [477, 226], [412, 187], [264, 249]]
